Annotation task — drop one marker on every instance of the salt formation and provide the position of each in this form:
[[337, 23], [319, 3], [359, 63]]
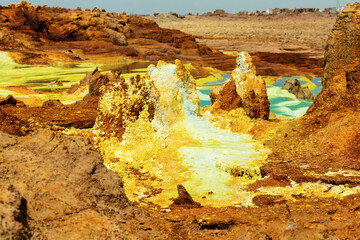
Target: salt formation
[[136, 116], [122, 103], [149, 130], [177, 94], [249, 87], [160, 95]]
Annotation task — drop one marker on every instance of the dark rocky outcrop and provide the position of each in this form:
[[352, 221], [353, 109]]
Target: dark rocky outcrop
[[11, 124], [78, 115], [247, 90], [95, 80], [267, 200], [326, 138], [58, 187], [336, 107], [227, 96], [122, 102], [168, 16], [13, 213], [10, 100], [251, 88], [293, 86], [38, 29], [218, 13], [184, 200], [52, 103], [341, 78]]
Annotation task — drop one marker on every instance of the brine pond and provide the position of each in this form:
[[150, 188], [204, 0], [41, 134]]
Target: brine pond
[[44, 79]]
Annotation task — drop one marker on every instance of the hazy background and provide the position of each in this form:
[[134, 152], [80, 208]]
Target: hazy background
[[184, 6]]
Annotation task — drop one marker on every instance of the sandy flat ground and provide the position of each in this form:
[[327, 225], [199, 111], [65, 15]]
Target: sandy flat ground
[[280, 45], [257, 32]]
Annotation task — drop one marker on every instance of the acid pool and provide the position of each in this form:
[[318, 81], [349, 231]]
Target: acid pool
[[282, 103]]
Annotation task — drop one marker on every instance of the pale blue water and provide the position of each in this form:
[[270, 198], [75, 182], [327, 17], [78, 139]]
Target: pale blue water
[[205, 102], [282, 103]]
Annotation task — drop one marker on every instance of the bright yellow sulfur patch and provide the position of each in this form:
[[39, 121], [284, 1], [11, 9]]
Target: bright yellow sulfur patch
[[77, 132], [194, 164], [135, 157], [310, 85], [197, 71], [6, 60], [304, 79], [212, 78], [176, 146], [231, 53], [236, 120], [269, 81]]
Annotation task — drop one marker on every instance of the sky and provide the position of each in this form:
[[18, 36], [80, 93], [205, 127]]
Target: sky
[[183, 6]]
